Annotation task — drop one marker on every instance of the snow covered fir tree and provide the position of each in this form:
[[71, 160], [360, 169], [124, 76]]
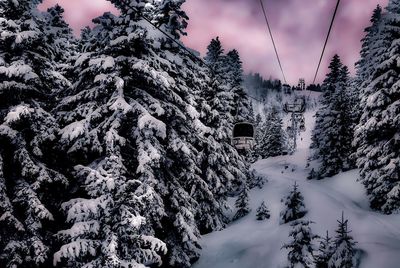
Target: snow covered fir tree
[[223, 164], [118, 145], [271, 139], [343, 254], [376, 137], [294, 207], [31, 174], [325, 251], [263, 212], [333, 133], [133, 135], [301, 247], [242, 204], [127, 103]]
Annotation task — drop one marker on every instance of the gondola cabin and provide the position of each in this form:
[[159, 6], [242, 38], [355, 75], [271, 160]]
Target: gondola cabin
[[243, 136], [294, 108]]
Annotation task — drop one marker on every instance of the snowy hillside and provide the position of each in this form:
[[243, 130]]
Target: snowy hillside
[[248, 243]]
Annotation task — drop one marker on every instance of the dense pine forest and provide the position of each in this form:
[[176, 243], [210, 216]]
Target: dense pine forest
[[116, 147]]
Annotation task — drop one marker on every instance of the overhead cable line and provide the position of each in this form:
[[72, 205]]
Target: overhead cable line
[[273, 41], [326, 40]]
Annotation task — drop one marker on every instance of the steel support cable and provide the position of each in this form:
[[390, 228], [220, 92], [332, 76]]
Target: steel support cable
[[273, 41], [326, 40]]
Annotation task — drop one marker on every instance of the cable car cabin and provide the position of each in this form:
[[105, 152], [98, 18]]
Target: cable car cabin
[[302, 127], [243, 136], [294, 108]]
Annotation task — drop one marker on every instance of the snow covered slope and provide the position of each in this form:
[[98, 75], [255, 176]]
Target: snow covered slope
[[248, 243]]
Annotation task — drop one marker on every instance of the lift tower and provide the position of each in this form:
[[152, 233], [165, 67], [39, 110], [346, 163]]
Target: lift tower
[[296, 110]]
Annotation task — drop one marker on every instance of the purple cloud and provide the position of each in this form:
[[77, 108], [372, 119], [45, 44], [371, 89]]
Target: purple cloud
[[299, 28]]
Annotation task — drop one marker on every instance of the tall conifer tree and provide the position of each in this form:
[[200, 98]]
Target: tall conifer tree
[[30, 179], [332, 136], [377, 135]]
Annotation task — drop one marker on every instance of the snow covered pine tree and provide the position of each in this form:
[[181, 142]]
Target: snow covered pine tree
[[271, 139], [30, 181], [259, 133], [325, 251], [233, 73], [242, 204], [333, 134], [372, 46], [344, 252], [219, 114], [301, 248], [65, 51], [262, 212], [377, 135], [132, 126], [294, 206]]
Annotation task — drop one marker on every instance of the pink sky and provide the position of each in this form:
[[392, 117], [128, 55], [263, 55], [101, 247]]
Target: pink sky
[[299, 28]]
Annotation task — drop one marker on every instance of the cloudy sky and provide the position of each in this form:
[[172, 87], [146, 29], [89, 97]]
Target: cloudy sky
[[299, 28]]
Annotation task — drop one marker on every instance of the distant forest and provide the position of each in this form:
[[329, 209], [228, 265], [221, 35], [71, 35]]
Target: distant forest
[[259, 87]]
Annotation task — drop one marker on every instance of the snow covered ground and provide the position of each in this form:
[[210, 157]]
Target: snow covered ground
[[248, 243]]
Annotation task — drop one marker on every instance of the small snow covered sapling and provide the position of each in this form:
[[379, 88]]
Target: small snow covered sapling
[[301, 249], [256, 180], [242, 204], [325, 251], [312, 175], [343, 255], [262, 212], [294, 206]]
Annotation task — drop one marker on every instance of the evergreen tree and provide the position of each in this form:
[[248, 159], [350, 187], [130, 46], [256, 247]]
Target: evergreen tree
[[59, 34], [64, 45], [343, 254], [170, 16], [371, 48], [332, 136], [347, 95], [271, 139], [262, 212], [301, 248], [144, 160], [242, 204], [214, 57], [233, 72], [325, 251], [294, 206], [257, 138], [226, 169], [113, 132], [376, 136], [256, 180], [30, 176]]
